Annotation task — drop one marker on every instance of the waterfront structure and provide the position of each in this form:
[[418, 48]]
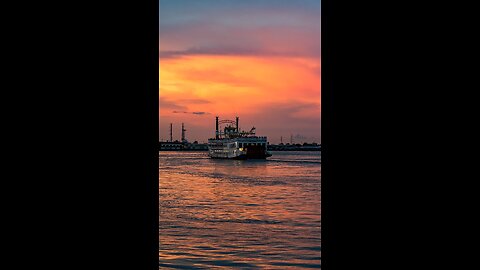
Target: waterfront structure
[[182, 146]]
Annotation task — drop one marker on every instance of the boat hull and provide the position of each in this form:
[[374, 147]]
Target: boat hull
[[247, 152], [243, 157]]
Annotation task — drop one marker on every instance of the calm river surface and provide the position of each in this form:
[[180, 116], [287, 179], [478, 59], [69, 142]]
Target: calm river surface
[[235, 214]]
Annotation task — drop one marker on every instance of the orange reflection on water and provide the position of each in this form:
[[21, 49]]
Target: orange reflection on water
[[218, 213]]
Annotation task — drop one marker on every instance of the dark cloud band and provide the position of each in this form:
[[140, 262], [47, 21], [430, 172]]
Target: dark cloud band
[[197, 113]]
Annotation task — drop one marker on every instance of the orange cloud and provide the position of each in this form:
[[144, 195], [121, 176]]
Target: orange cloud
[[229, 85]]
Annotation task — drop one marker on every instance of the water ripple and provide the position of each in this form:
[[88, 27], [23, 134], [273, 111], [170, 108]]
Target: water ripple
[[217, 214]]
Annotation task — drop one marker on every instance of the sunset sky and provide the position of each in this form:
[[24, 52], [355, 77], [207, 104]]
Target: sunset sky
[[259, 60]]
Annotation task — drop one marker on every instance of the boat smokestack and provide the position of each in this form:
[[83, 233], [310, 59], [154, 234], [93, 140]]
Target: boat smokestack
[[237, 123], [216, 127], [171, 137]]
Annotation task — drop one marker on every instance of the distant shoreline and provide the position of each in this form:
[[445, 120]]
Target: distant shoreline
[[186, 146], [273, 150]]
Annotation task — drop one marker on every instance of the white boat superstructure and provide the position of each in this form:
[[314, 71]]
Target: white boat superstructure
[[235, 144]]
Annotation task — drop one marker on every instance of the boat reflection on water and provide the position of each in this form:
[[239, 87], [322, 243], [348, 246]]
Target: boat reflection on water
[[239, 170]]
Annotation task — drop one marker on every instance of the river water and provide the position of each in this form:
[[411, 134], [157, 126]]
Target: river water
[[240, 214]]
